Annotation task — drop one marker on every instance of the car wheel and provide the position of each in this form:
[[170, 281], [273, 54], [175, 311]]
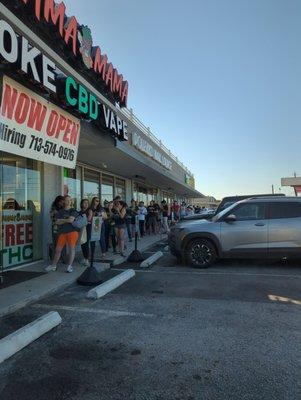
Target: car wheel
[[200, 253]]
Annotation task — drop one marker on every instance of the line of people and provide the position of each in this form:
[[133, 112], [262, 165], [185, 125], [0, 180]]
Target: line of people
[[118, 221]]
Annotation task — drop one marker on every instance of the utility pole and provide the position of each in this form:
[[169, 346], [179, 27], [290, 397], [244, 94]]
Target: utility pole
[[273, 190]]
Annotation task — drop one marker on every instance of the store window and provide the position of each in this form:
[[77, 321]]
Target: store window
[[107, 188], [142, 194], [20, 207], [169, 197], [91, 184], [120, 188], [152, 195], [72, 185]]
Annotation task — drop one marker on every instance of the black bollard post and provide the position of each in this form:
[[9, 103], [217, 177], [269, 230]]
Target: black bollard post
[[135, 255], [90, 277]]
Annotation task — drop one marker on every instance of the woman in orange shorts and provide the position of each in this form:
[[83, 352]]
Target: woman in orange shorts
[[67, 235]]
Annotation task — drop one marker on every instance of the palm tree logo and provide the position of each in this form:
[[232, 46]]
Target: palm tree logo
[[86, 42]]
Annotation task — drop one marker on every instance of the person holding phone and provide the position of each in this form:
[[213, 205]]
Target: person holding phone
[[98, 211], [67, 235], [119, 212]]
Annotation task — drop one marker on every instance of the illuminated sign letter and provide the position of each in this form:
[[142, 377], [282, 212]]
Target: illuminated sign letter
[[57, 13], [109, 77], [70, 82], [100, 62], [117, 83], [10, 54], [71, 33]]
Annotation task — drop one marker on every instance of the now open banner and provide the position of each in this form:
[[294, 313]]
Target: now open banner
[[34, 128]]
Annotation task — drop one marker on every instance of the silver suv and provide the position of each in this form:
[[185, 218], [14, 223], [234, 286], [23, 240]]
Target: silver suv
[[257, 227]]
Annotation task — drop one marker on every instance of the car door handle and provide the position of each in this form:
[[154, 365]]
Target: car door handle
[[260, 224]]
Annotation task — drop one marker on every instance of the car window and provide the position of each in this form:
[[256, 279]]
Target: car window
[[220, 215], [226, 205], [285, 210], [249, 212]]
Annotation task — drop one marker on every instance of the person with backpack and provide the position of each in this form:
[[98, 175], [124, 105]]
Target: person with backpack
[[67, 234]]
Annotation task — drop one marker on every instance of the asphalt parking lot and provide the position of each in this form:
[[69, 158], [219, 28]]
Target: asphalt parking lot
[[172, 332]]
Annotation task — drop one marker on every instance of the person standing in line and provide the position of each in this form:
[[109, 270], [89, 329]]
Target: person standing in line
[[165, 213], [84, 209], [111, 220], [56, 206], [183, 210], [152, 218], [142, 212], [158, 217], [190, 210], [67, 235], [128, 222], [98, 211], [134, 214], [175, 210], [107, 225], [119, 211]]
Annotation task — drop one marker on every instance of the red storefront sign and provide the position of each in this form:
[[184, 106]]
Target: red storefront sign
[[79, 38]]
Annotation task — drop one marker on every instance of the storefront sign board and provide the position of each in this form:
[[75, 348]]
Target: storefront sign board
[[17, 238], [34, 128], [146, 148]]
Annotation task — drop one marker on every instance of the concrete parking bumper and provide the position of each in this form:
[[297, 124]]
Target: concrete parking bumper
[[16, 341]]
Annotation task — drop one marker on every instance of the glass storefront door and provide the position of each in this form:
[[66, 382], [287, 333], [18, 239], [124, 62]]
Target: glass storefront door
[[120, 188], [145, 194], [91, 184], [20, 207], [72, 185], [107, 188]]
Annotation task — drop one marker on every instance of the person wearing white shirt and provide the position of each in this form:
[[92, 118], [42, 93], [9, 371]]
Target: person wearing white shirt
[[142, 212]]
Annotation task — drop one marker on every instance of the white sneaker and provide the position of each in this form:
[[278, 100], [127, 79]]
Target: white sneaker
[[51, 268], [69, 268]]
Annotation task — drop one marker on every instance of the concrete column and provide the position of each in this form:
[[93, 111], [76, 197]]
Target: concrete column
[[52, 187], [128, 191]]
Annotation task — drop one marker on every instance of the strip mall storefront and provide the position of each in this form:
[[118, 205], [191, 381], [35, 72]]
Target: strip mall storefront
[[65, 129]]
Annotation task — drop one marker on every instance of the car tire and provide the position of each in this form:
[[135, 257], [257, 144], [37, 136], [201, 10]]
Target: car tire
[[200, 253]]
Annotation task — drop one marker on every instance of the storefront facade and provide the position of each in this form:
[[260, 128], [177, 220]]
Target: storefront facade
[[65, 129]]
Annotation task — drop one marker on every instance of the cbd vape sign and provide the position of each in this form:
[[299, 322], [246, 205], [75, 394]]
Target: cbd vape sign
[[86, 103]]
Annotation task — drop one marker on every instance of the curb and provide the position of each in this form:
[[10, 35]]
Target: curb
[[118, 261], [151, 260], [108, 286], [103, 266], [32, 299], [21, 338]]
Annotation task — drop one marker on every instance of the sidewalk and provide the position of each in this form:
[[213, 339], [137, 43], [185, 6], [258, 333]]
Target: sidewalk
[[17, 296]]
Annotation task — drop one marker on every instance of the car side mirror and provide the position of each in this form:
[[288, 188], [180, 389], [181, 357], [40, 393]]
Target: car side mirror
[[230, 218]]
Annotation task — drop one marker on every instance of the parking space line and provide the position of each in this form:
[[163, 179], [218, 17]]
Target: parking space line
[[110, 313], [215, 273]]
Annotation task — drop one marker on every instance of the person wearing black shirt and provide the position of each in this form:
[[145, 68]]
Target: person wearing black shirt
[[165, 212], [152, 217]]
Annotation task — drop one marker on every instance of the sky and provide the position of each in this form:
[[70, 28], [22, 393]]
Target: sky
[[218, 81]]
